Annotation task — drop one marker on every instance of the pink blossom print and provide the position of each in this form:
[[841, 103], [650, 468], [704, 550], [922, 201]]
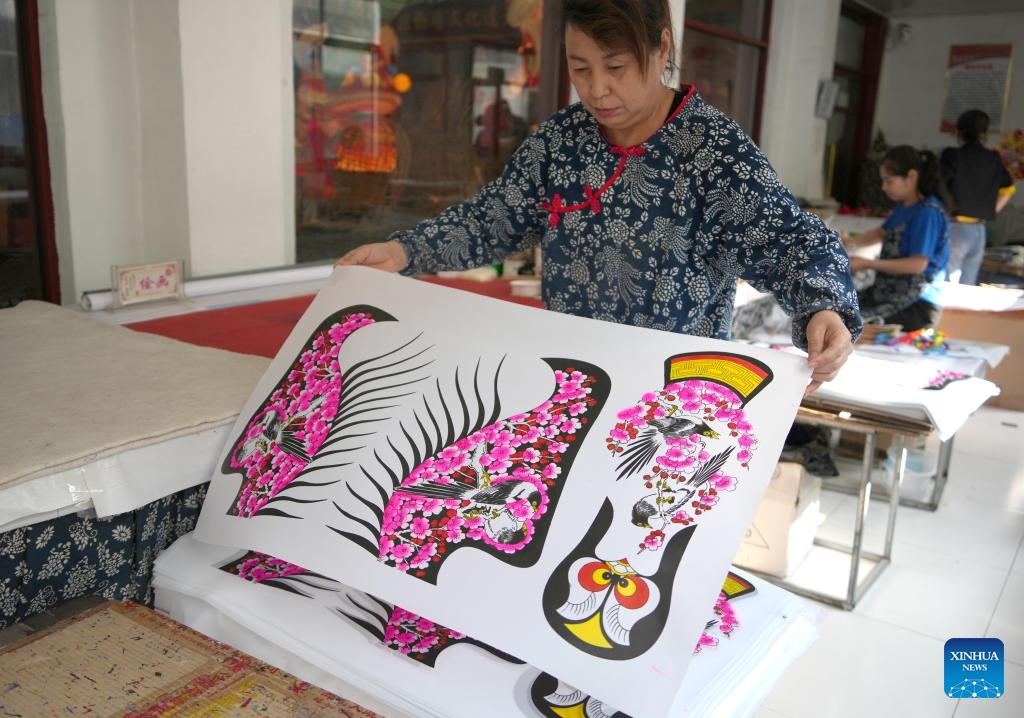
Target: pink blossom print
[[294, 422], [944, 378], [405, 632], [724, 621], [494, 487], [723, 624], [257, 567], [679, 442]]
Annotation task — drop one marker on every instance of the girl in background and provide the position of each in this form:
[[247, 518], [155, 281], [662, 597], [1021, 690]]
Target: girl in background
[[915, 244]]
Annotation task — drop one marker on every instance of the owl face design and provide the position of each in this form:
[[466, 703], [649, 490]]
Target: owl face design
[[605, 601], [604, 607], [555, 699]]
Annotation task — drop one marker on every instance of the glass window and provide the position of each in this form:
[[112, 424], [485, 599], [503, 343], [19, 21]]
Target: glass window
[[725, 73], [21, 274], [724, 52], [403, 108], [849, 92], [745, 17], [849, 42]]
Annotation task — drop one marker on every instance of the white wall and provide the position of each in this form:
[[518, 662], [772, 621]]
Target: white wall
[[165, 211], [912, 87], [237, 74], [91, 108], [800, 55], [170, 130]]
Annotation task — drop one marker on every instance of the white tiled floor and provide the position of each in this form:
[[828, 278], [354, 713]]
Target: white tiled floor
[[957, 572]]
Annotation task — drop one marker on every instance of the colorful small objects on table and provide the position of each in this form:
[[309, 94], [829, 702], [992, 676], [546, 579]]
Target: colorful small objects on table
[[927, 341]]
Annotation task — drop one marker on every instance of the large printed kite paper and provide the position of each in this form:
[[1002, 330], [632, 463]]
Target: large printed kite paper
[[567, 491]]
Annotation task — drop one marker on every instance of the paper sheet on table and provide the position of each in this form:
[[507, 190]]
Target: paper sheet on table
[[981, 298], [77, 390], [921, 390], [567, 490]]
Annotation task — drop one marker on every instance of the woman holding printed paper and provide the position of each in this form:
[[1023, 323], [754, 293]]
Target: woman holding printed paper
[[648, 203]]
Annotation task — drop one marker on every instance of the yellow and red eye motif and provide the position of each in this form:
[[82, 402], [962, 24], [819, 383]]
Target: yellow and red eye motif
[[632, 591], [595, 576]]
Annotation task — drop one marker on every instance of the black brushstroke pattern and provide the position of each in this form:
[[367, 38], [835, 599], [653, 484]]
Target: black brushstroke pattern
[[365, 390], [374, 620], [291, 583], [416, 454], [545, 685], [449, 427]]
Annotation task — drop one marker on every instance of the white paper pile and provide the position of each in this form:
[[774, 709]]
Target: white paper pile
[[305, 624]]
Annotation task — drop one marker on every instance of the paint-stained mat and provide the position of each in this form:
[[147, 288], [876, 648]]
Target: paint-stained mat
[[123, 659]]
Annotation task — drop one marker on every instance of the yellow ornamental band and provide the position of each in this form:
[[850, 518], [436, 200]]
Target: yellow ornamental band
[[744, 375]]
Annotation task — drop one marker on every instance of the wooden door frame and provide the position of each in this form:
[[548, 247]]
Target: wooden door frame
[[37, 152], [875, 28], [761, 45]]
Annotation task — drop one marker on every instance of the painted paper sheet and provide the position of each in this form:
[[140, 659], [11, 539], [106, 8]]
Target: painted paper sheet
[[752, 634], [566, 490], [923, 389]]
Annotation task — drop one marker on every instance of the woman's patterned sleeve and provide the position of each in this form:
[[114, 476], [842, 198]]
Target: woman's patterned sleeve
[[755, 229], [502, 218]]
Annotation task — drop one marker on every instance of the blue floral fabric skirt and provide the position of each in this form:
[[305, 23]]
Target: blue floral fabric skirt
[[48, 563]]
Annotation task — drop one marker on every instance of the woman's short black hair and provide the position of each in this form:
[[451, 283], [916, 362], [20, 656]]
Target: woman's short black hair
[[633, 26], [971, 125]]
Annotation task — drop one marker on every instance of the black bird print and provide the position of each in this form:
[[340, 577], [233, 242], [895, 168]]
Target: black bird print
[[643, 448], [647, 506], [280, 429], [486, 499], [493, 495]]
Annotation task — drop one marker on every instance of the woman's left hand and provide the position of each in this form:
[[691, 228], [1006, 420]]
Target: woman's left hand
[[828, 345], [858, 263]]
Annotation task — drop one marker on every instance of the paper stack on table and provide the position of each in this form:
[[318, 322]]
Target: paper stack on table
[[371, 652]]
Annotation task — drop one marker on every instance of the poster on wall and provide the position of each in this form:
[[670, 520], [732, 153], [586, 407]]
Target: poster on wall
[[977, 77]]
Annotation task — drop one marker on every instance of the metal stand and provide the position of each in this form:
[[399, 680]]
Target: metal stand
[[941, 476], [871, 424]]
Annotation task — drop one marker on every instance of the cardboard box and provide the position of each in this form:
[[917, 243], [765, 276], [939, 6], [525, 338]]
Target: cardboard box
[[783, 528], [1001, 328]]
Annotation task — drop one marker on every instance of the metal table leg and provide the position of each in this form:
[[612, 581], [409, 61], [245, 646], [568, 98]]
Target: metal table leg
[[941, 477], [858, 585]]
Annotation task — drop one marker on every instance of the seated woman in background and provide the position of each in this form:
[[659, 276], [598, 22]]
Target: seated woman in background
[[915, 244]]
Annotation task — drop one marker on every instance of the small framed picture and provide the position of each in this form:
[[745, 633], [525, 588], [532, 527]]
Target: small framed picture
[[147, 282], [828, 92]]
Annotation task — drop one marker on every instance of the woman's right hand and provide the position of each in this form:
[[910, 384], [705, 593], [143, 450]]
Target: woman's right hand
[[387, 256]]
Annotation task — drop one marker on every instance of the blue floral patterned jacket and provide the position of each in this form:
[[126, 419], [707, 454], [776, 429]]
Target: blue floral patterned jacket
[[653, 235]]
